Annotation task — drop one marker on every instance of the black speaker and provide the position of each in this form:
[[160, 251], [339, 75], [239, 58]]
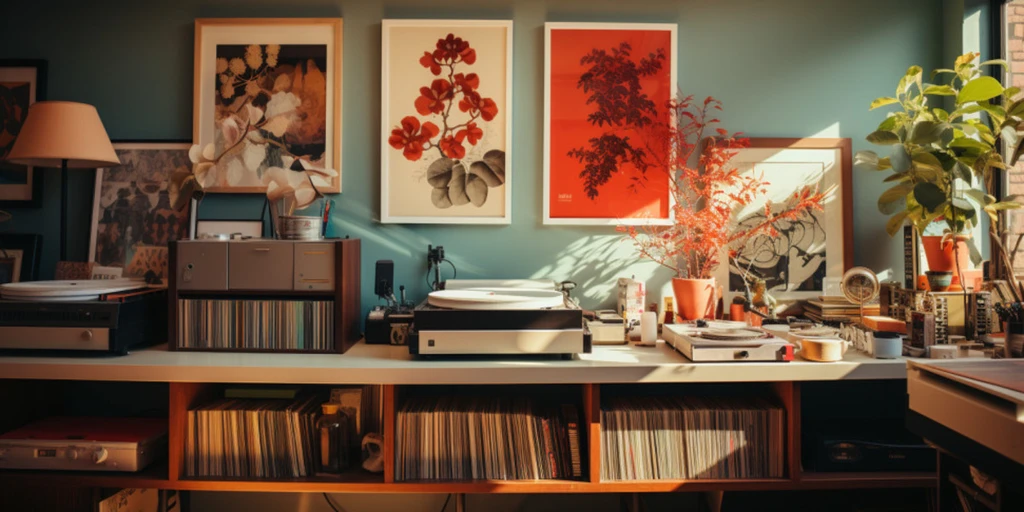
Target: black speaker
[[384, 278]]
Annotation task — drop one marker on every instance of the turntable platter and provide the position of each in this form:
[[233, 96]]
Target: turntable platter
[[496, 298], [66, 290]]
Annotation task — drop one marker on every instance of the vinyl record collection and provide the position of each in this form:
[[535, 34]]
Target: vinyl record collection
[[459, 438], [670, 438], [253, 438], [256, 324]]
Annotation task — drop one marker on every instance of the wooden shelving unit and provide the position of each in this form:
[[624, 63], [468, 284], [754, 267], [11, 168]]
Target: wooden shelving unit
[[169, 473]]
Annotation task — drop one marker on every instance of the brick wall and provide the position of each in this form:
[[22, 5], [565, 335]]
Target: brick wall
[[1015, 56]]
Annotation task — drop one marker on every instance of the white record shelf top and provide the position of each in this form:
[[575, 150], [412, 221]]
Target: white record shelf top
[[385, 364]]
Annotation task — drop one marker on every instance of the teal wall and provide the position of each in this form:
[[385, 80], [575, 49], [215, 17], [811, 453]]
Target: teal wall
[[784, 68]]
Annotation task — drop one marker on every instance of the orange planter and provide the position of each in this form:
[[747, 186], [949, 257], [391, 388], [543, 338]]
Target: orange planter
[[695, 298], [941, 256]]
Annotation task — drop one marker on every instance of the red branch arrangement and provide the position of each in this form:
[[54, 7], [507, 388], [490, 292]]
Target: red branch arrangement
[[439, 98], [707, 195]]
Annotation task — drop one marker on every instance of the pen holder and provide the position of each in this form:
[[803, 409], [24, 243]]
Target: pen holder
[[299, 227]]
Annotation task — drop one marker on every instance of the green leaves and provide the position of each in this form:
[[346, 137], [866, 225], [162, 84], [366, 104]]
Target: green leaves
[[883, 138], [869, 161], [893, 225], [929, 195], [927, 132], [980, 89], [939, 90], [881, 102], [894, 199]]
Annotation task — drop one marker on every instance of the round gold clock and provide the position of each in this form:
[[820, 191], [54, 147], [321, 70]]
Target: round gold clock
[[860, 285]]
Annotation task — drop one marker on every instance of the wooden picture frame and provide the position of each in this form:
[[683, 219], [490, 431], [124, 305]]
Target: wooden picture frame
[[137, 194], [258, 99], [810, 161], [433, 171], [22, 83], [26, 251], [642, 197]]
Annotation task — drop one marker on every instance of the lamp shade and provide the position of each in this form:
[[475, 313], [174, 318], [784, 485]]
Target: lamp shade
[[62, 130]]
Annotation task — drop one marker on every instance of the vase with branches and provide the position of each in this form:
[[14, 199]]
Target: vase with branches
[[706, 197]]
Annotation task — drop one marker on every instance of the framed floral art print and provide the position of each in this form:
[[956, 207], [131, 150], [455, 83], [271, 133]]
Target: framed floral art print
[[267, 95], [606, 93], [22, 83], [446, 119]]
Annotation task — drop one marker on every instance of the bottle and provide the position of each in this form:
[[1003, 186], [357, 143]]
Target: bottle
[[670, 314], [334, 449]]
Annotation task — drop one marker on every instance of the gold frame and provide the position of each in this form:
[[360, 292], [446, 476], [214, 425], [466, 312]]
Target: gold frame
[[337, 25]]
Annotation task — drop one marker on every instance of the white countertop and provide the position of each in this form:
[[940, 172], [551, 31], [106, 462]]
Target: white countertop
[[384, 364]]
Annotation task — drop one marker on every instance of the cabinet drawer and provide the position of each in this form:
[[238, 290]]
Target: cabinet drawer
[[314, 266], [260, 266], [202, 266]]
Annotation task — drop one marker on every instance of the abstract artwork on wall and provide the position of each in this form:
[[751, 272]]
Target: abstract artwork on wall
[[22, 83], [794, 260], [606, 92], [267, 96], [446, 121], [132, 218]]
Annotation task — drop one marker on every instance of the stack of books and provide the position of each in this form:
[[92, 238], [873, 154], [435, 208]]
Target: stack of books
[[489, 438], [676, 438], [828, 308], [253, 438]]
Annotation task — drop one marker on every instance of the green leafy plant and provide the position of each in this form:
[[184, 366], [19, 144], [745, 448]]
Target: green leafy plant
[[937, 155]]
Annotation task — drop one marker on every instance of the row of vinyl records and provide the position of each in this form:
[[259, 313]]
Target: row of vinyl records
[[676, 438], [256, 324], [489, 438], [240, 437]]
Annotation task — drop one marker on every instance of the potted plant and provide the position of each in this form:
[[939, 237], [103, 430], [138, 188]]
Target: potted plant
[[290, 187], [704, 199], [938, 155]]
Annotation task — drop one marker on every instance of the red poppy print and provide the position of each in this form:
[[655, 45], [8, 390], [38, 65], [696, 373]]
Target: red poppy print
[[452, 148], [432, 99], [411, 138], [471, 133], [456, 180]]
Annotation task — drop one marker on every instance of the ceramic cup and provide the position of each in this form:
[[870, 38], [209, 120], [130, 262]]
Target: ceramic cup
[[939, 281], [887, 345]]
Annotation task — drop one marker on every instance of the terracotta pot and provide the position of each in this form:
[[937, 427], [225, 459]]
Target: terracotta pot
[[940, 255], [695, 298]]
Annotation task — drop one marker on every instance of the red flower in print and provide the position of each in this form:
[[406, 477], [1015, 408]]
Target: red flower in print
[[428, 61], [476, 106], [432, 99], [451, 49], [472, 133], [467, 83], [411, 138], [452, 148]]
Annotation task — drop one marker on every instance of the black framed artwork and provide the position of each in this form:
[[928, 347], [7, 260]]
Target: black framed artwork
[[22, 83], [19, 257]]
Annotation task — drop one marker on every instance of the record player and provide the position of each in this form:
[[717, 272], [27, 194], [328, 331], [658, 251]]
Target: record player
[[721, 341], [103, 316], [511, 317]]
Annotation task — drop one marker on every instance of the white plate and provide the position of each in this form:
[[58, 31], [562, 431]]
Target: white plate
[[496, 298], [67, 290]]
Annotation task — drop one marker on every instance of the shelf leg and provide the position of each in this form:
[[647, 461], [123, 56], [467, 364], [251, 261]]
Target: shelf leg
[[460, 502], [714, 499]]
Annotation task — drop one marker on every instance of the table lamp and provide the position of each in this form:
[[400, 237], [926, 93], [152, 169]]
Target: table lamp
[[67, 135]]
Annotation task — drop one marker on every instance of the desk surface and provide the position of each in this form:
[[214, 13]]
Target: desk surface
[[383, 364]]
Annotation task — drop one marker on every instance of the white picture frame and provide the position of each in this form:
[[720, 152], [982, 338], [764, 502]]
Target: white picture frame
[[788, 164], [418, 198], [549, 27], [246, 228]]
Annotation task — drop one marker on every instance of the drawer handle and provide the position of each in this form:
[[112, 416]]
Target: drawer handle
[[262, 249], [315, 253]]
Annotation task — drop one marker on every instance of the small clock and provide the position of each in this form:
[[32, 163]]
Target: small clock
[[860, 285]]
